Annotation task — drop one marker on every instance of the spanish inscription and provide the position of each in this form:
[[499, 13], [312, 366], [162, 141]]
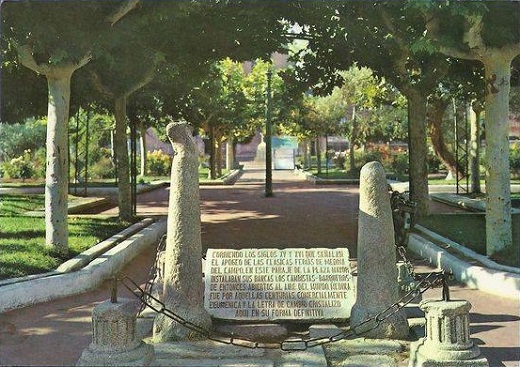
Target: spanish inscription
[[279, 284]]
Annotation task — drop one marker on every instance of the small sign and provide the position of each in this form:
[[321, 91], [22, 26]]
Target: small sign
[[279, 284]]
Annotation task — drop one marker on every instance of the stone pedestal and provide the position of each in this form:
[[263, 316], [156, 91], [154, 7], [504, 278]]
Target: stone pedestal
[[377, 286], [114, 341], [447, 341]]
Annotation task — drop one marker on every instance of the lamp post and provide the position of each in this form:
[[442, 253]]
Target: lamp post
[[268, 131]]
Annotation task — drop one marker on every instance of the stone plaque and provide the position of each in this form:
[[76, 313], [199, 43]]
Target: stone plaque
[[279, 284]]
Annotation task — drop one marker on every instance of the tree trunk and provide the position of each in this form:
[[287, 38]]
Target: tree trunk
[[436, 109], [353, 137], [417, 103], [57, 159], [474, 149], [218, 155], [56, 174], [318, 155], [142, 141], [123, 174], [306, 154], [498, 189], [212, 170], [230, 158]]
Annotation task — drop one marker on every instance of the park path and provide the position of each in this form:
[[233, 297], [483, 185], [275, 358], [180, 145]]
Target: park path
[[299, 214]]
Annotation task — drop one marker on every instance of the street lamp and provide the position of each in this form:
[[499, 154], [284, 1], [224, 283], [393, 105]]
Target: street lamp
[[268, 131]]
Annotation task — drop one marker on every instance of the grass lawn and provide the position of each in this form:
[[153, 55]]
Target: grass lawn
[[469, 230], [331, 174], [22, 238]]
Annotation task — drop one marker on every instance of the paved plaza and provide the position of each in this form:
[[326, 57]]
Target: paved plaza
[[298, 215]]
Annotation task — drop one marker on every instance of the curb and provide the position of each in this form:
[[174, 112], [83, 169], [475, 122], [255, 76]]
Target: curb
[[464, 202], [33, 289], [326, 181], [228, 179], [491, 281]]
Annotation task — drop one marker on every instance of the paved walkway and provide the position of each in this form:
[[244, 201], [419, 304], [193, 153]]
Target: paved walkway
[[299, 214]]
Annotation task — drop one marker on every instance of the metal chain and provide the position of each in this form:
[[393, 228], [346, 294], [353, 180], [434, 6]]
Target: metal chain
[[403, 213], [431, 280], [154, 272]]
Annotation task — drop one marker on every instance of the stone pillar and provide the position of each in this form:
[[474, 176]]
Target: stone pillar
[[377, 286], [183, 289], [114, 341], [447, 341]]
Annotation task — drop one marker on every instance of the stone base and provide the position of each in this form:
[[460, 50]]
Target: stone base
[[259, 332], [420, 356], [166, 329], [323, 331], [143, 355], [393, 327]]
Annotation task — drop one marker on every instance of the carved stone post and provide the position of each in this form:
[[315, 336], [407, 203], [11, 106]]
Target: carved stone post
[[377, 286], [447, 341], [183, 290], [114, 341]]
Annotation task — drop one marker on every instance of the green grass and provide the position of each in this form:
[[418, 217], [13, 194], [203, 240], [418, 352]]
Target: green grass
[[22, 238], [331, 174], [469, 230]]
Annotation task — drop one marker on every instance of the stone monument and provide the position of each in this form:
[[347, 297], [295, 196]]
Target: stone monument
[[114, 341], [377, 286], [447, 341], [183, 289]]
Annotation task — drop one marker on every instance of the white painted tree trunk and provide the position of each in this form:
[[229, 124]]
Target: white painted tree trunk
[[56, 175], [498, 189], [230, 159], [142, 141], [123, 174], [474, 149]]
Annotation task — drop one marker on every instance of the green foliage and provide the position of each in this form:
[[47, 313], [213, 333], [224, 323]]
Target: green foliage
[[19, 137], [363, 157], [102, 168], [399, 162], [20, 167], [514, 158], [434, 163], [158, 163]]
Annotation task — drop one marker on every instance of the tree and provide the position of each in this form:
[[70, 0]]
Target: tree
[[55, 41], [384, 37], [487, 32], [128, 67]]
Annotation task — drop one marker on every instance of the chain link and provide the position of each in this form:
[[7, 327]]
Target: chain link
[[402, 212], [431, 280], [155, 271]]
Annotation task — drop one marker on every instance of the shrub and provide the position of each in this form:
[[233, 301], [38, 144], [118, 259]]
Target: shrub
[[399, 163], [19, 167], [103, 168], [158, 163], [39, 163], [434, 163], [514, 159], [17, 138], [362, 158], [339, 160]]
